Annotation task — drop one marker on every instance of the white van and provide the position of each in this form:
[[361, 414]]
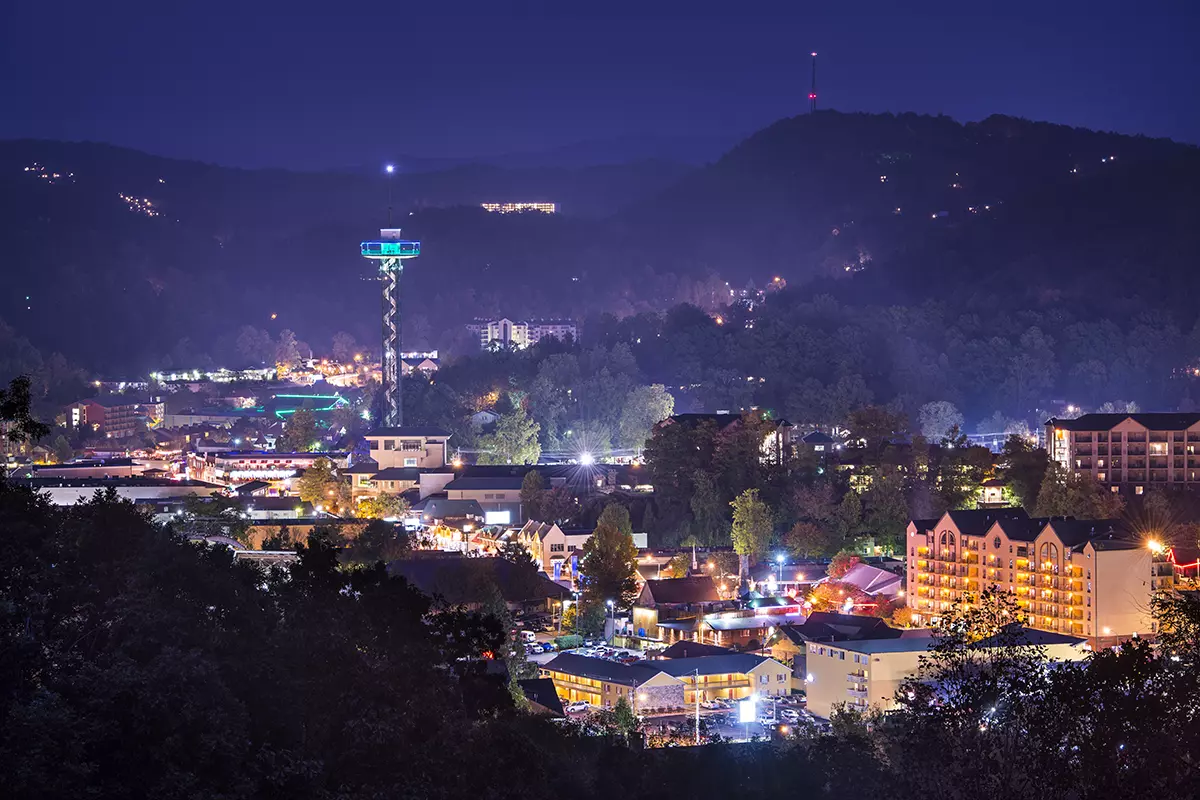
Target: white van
[[528, 637]]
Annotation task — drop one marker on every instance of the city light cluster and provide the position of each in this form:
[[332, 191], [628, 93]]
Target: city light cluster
[[48, 175], [139, 205]]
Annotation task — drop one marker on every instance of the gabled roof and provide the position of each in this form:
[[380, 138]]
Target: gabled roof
[[826, 626], [1076, 532], [872, 580], [1165, 421], [678, 591], [604, 670], [976, 522], [687, 649], [426, 431], [924, 525], [541, 692], [1023, 530], [250, 487], [817, 437], [711, 665], [363, 467]]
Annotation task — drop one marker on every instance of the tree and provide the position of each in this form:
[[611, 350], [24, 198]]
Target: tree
[[841, 563], [20, 426], [808, 540], [875, 425], [610, 560], [645, 407], [1024, 469], [708, 518], [514, 440], [344, 347], [938, 418], [383, 506], [1069, 494], [558, 505], [680, 565], [752, 528], [886, 509], [280, 539], [300, 433], [847, 522], [254, 345], [533, 491], [321, 486], [62, 449], [288, 350], [378, 541]]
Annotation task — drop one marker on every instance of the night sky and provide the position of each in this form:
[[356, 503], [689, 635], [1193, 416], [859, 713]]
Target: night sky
[[333, 84]]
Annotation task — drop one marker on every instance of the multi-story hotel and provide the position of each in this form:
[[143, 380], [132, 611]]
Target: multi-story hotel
[[1087, 578], [1132, 450], [507, 333]]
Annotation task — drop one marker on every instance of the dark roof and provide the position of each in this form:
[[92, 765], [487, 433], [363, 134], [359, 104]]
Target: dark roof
[[251, 486], [364, 467], [686, 649], [674, 591], [1023, 530], [711, 665], [398, 474], [1165, 421], [440, 508], [93, 464], [817, 437], [460, 579], [1034, 637], [1075, 532], [924, 525], [826, 626], [541, 691], [602, 669], [411, 430], [976, 522], [483, 483]]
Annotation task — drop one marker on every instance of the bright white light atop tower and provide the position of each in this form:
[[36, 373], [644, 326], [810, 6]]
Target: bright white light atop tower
[[587, 459], [389, 169]]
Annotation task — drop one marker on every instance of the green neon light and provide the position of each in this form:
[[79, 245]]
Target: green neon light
[[391, 249]]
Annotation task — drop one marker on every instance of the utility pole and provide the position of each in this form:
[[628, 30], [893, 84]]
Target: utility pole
[[697, 705]]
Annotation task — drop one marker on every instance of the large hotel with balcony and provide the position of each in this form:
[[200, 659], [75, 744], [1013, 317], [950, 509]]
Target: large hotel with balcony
[[1132, 450], [1087, 578]]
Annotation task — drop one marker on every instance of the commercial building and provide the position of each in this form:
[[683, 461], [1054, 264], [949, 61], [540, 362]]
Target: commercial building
[[674, 599], [420, 446], [95, 468], [865, 674], [1087, 578], [520, 334], [666, 683], [508, 208], [789, 645], [68, 491], [551, 546], [117, 417], [235, 467], [1136, 451]]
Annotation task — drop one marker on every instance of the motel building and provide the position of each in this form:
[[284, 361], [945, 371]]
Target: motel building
[[666, 683]]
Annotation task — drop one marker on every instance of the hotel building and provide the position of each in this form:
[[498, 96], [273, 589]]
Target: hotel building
[[1086, 578], [521, 334], [1133, 450]]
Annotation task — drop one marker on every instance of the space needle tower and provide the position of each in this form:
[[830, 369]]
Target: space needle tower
[[391, 250]]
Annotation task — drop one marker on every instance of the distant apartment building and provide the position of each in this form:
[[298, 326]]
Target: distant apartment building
[[117, 417], [1087, 578], [507, 333], [421, 446], [508, 208], [1136, 451]]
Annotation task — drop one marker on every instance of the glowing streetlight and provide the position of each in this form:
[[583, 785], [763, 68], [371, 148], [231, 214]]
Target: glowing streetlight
[[1155, 546], [586, 459], [389, 169]]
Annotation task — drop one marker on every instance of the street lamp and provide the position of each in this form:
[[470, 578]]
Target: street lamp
[[612, 617], [779, 568]]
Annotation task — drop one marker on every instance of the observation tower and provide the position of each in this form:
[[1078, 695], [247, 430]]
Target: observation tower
[[391, 251]]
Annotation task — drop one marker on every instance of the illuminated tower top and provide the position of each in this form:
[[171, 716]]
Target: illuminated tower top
[[391, 251]]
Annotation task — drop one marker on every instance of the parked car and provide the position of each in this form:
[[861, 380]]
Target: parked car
[[576, 707], [548, 647], [789, 715], [710, 704]]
